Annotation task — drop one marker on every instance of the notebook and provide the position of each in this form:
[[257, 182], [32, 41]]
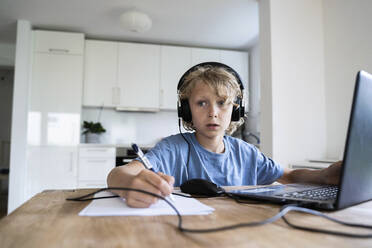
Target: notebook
[[118, 207], [355, 184]]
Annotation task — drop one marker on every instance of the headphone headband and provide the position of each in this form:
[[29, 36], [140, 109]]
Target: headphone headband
[[213, 64]]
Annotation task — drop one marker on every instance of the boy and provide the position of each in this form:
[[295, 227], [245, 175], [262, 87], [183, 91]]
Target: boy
[[210, 95]]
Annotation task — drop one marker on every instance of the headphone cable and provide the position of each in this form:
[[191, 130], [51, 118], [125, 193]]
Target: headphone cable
[[188, 150], [283, 211]]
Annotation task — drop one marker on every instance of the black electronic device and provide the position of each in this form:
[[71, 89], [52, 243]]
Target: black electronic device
[[183, 107], [201, 187], [355, 184]]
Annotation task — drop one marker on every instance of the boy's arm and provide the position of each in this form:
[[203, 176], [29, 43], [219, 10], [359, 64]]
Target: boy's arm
[[134, 175], [328, 175]]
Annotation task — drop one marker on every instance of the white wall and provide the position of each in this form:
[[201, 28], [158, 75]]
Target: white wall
[[7, 54], [124, 128], [266, 117], [292, 72], [18, 165], [348, 49]]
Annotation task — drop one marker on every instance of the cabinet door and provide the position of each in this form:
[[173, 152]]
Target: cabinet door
[[239, 62], [200, 55], [59, 168], [100, 74], [95, 169], [33, 182], [95, 163], [51, 168], [55, 99], [138, 76], [58, 42], [175, 61], [97, 152]]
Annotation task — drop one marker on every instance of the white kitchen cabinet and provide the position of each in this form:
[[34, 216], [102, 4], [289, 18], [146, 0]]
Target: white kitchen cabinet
[[139, 76], [95, 163], [144, 77], [54, 112], [235, 59], [100, 74], [58, 42], [239, 62], [201, 55], [33, 183], [51, 167], [122, 75], [175, 61], [55, 104]]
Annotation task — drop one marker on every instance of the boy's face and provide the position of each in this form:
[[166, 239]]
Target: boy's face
[[211, 115]]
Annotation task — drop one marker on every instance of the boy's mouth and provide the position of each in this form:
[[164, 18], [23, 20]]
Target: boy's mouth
[[212, 125]]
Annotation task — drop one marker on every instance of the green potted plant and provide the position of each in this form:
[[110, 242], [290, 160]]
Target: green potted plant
[[93, 131]]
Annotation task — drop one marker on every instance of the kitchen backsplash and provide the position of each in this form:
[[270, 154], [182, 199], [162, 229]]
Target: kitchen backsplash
[[124, 128]]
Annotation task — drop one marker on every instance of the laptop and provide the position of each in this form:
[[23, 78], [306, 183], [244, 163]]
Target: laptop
[[355, 184]]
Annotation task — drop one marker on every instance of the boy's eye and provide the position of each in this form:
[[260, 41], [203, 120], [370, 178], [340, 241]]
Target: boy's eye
[[221, 102], [201, 103]]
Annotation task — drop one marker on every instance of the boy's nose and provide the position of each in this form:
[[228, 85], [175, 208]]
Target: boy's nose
[[213, 110]]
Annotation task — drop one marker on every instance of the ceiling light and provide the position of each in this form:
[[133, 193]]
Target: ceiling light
[[135, 21]]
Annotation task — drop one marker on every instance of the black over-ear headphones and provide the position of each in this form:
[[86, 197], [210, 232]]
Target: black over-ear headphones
[[183, 106]]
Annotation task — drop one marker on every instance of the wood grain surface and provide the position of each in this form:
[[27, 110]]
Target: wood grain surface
[[48, 220]]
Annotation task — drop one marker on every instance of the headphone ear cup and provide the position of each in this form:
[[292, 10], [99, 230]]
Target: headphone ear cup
[[237, 112], [235, 115], [184, 111]]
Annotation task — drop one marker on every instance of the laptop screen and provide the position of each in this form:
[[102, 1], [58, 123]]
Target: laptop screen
[[356, 176]]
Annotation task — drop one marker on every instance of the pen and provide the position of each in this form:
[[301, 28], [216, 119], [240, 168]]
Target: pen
[[146, 162]]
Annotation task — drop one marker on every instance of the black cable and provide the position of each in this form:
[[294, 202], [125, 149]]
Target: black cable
[[318, 230], [188, 145], [283, 211]]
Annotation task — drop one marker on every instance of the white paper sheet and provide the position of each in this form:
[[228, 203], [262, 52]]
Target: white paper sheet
[[118, 207]]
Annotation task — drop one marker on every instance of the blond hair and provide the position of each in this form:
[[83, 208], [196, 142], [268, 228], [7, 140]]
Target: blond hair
[[223, 82]]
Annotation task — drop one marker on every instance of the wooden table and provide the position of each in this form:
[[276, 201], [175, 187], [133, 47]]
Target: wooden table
[[48, 220]]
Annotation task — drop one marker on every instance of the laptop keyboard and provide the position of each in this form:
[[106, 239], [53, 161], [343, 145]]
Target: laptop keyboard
[[325, 193]]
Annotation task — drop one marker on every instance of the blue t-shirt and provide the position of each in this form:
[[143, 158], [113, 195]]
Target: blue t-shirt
[[240, 164]]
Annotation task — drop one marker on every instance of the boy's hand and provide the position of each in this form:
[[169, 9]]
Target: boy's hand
[[157, 183], [331, 175]]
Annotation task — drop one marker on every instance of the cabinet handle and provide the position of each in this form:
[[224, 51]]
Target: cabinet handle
[[96, 150], [116, 95], [71, 162], [113, 100], [97, 185], [162, 97], [58, 50]]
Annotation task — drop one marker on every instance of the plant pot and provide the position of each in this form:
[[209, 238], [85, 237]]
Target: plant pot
[[93, 138]]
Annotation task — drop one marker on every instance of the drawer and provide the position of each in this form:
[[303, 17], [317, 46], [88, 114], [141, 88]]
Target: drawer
[[92, 184], [95, 169], [58, 42], [97, 152]]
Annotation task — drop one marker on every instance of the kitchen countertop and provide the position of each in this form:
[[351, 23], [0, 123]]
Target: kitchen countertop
[[113, 145], [97, 145]]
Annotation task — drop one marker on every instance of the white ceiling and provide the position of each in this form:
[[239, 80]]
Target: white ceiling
[[229, 24]]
